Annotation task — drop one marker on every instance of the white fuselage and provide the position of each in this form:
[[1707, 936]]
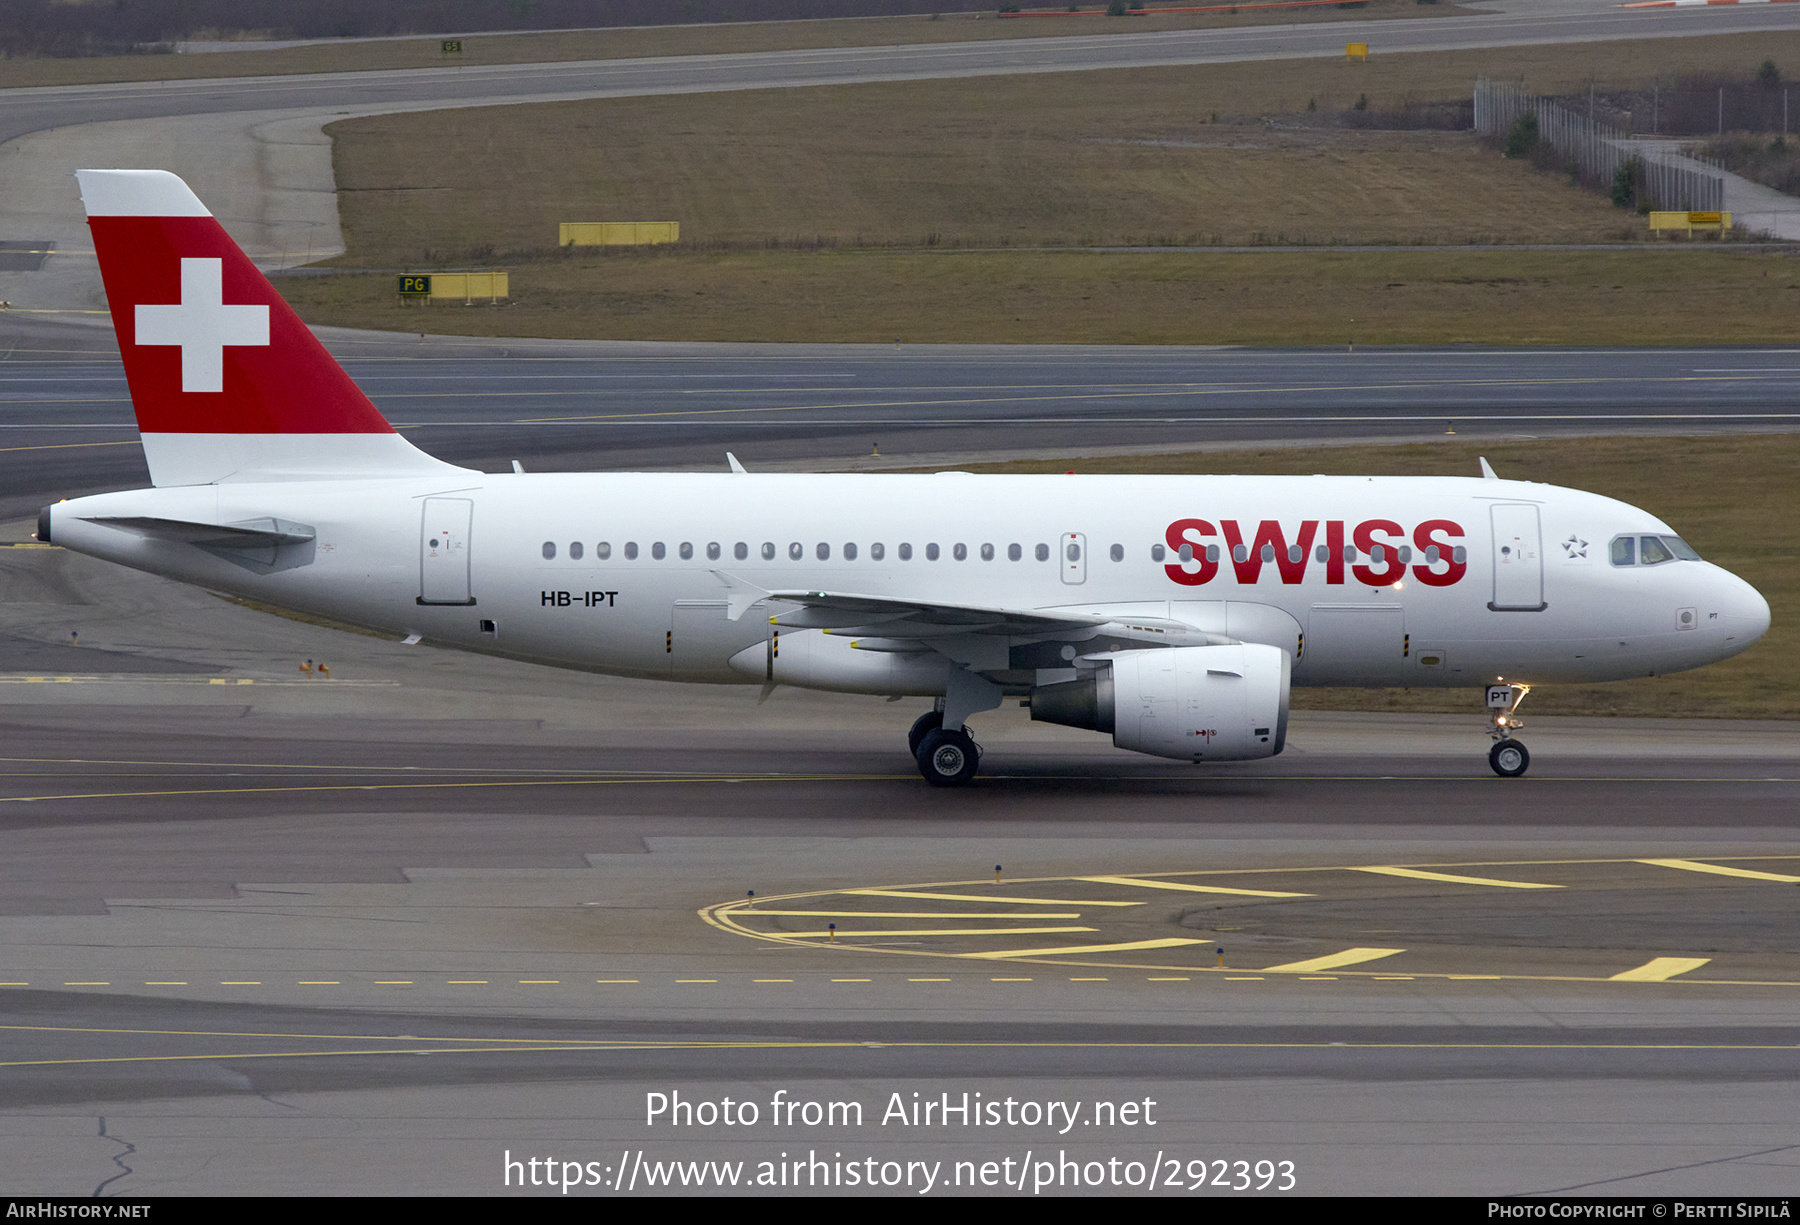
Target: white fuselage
[[485, 562]]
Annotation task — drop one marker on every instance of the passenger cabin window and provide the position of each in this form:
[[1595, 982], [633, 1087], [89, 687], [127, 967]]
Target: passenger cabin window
[[1043, 552], [931, 552], [823, 551], [987, 552], [1157, 553], [1014, 552], [1118, 552], [603, 550], [574, 550], [877, 551], [740, 550], [849, 552], [768, 550], [549, 549], [686, 551], [658, 551], [631, 550], [960, 552], [905, 552], [712, 551], [796, 551]]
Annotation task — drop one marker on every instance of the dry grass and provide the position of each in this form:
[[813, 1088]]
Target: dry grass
[[1631, 296], [1074, 159], [1731, 497], [638, 42], [1046, 162]]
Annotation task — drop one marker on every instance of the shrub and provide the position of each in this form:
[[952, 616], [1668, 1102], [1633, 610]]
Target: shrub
[[1768, 74], [1522, 137]]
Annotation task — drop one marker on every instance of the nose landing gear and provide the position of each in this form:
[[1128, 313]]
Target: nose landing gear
[[1508, 757]]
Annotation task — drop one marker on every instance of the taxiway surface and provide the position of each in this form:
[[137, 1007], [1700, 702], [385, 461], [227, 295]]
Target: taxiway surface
[[384, 931]]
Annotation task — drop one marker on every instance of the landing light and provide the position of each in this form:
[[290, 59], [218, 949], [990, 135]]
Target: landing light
[[1398, 586]]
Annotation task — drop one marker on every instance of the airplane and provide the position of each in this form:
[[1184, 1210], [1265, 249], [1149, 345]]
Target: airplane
[[1174, 613]]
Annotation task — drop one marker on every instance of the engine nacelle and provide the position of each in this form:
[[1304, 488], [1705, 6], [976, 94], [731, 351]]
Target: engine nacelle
[[1213, 703]]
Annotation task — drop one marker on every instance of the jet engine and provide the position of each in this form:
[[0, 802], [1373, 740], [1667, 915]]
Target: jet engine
[[1211, 703]]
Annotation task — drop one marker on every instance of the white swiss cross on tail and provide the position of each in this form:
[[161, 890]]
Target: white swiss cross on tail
[[202, 325]]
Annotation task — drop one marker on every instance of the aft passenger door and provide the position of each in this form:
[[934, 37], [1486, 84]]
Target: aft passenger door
[[1518, 559], [444, 551]]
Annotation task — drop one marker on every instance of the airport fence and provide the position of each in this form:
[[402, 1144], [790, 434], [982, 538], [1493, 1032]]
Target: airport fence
[[1596, 152]]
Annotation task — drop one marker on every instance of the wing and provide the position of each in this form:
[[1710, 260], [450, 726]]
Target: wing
[[896, 624]]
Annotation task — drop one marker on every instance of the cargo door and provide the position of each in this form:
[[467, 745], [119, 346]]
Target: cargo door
[[1353, 644], [444, 551], [1518, 559]]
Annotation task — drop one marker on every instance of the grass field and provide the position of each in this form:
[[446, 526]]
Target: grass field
[[633, 43], [1086, 297], [1731, 497], [831, 213]]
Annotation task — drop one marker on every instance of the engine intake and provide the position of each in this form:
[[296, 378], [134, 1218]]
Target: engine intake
[[1212, 703]]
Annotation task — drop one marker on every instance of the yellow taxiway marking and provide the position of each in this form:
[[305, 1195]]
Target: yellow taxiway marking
[[1660, 969], [852, 980], [1170, 979], [1692, 865], [910, 914], [1087, 980], [1317, 978], [1332, 961], [696, 980], [1243, 978], [87, 984], [941, 931], [393, 982], [15, 984], [539, 982], [927, 980], [467, 982], [1142, 883], [1450, 879], [70, 446], [1165, 943], [240, 982], [972, 897], [1009, 980], [1392, 978], [318, 982], [165, 982]]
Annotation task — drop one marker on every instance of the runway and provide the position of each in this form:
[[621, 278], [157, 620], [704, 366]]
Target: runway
[[65, 415]]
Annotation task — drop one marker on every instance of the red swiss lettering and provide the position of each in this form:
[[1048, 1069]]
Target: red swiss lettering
[[1425, 537], [1393, 569], [1269, 536], [1198, 570], [1334, 552]]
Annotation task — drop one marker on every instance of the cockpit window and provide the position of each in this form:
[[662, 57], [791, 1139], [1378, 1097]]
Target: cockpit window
[[1650, 550]]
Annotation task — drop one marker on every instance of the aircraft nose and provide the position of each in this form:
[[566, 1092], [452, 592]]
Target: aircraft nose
[[1743, 613]]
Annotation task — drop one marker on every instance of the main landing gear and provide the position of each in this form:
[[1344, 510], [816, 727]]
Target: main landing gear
[[947, 758], [1508, 757]]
